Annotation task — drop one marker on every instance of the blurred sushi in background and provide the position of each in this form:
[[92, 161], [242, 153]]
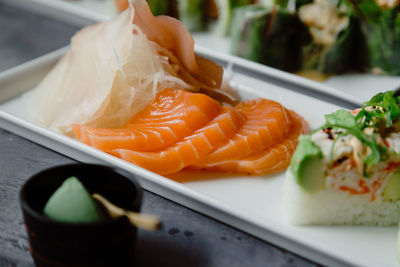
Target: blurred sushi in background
[[197, 15], [269, 35], [380, 22], [329, 36], [335, 35], [298, 36], [313, 38]]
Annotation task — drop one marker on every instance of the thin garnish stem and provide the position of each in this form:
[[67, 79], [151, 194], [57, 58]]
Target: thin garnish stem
[[145, 221]]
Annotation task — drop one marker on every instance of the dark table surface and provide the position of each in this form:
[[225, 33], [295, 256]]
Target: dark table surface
[[187, 239]]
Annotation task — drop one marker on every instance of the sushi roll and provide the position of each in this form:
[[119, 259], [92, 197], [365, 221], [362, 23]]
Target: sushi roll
[[336, 36], [381, 28], [321, 37], [348, 170], [269, 35]]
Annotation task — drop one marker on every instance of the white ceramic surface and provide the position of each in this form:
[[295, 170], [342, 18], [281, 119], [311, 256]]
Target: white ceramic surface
[[252, 204]]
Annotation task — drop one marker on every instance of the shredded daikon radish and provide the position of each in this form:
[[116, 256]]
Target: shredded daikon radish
[[111, 72]]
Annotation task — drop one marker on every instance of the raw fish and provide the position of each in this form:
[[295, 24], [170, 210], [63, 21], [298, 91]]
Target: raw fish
[[274, 159], [180, 130], [267, 123], [191, 148], [172, 115]]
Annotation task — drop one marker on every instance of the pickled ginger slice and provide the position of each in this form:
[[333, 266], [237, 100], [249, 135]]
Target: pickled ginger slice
[[172, 35], [111, 72]]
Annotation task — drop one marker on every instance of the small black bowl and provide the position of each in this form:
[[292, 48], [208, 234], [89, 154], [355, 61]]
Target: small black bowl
[[110, 242]]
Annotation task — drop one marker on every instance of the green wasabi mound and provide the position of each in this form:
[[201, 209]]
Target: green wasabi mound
[[72, 203]]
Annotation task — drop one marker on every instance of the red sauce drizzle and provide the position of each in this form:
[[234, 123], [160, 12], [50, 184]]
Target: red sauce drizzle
[[392, 166], [386, 143], [364, 189]]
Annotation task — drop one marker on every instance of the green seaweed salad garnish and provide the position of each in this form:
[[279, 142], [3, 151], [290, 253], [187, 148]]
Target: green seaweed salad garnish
[[380, 112], [376, 118]]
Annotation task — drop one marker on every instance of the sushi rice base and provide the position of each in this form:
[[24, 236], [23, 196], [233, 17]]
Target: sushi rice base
[[348, 197], [336, 207]]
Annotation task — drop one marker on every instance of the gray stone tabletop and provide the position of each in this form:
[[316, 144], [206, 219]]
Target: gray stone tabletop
[[187, 239]]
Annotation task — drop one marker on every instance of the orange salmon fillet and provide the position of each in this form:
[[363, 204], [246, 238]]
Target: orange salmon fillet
[[191, 148], [266, 124], [180, 130], [273, 159], [172, 115]]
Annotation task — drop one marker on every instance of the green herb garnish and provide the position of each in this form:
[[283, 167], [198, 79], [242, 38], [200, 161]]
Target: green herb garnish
[[343, 119], [379, 114]]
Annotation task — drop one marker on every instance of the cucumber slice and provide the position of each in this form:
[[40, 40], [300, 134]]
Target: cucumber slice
[[392, 187], [307, 166], [310, 175]]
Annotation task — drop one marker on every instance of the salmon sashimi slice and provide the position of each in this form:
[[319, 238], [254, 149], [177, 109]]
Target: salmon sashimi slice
[[171, 116], [191, 148], [271, 160], [266, 123], [138, 139]]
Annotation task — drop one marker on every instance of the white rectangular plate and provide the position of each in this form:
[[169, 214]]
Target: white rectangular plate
[[252, 204]]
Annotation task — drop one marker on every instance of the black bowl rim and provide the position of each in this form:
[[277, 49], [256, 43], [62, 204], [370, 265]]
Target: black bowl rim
[[38, 216]]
